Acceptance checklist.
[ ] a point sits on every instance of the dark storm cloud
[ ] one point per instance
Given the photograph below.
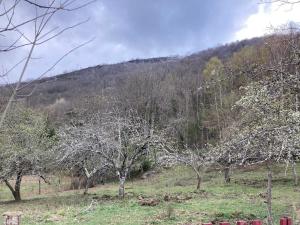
(174, 26)
(127, 29)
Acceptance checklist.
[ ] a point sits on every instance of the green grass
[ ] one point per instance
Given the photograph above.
(241, 199)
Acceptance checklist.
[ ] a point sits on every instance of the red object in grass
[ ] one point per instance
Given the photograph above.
(289, 221)
(283, 221)
(241, 222)
(286, 221)
(224, 223)
(256, 222)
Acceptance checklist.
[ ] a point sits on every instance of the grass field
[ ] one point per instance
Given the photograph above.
(242, 199)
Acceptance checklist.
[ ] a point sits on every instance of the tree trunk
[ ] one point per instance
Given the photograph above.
(295, 175)
(87, 184)
(40, 191)
(59, 183)
(220, 94)
(86, 189)
(227, 174)
(199, 181)
(16, 192)
(17, 195)
(122, 187)
(269, 197)
(218, 117)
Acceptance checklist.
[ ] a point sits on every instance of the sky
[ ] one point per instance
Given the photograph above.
(122, 30)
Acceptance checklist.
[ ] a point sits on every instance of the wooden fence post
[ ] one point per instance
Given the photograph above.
(12, 218)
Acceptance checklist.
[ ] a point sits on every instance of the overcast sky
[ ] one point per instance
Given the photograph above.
(130, 29)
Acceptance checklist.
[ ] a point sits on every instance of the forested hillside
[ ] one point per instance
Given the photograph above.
(170, 91)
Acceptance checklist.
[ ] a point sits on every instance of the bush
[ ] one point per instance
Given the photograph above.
(146, 165)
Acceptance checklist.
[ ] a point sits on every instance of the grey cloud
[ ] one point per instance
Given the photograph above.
(127, 29)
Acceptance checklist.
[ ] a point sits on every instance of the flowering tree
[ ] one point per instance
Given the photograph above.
(267, 131)
(25, 147)
(268, 127)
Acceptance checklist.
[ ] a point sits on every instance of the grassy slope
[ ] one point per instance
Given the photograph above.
(239, 200)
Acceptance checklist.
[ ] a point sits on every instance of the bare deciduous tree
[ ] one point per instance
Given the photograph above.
(40, 33)
(198, 159)
(119, 141)
(77, 152)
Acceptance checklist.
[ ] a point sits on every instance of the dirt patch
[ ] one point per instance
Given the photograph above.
(177, 198)
(148, 201)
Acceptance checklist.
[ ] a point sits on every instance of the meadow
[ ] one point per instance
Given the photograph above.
(175, 191)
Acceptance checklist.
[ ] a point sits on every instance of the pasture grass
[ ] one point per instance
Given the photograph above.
(243, 198)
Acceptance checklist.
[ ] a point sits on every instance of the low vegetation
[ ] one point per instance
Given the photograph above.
(179, 201)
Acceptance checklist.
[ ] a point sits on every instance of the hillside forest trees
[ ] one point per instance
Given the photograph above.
(261, 124)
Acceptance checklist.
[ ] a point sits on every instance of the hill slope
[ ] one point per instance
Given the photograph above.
(93, 80)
